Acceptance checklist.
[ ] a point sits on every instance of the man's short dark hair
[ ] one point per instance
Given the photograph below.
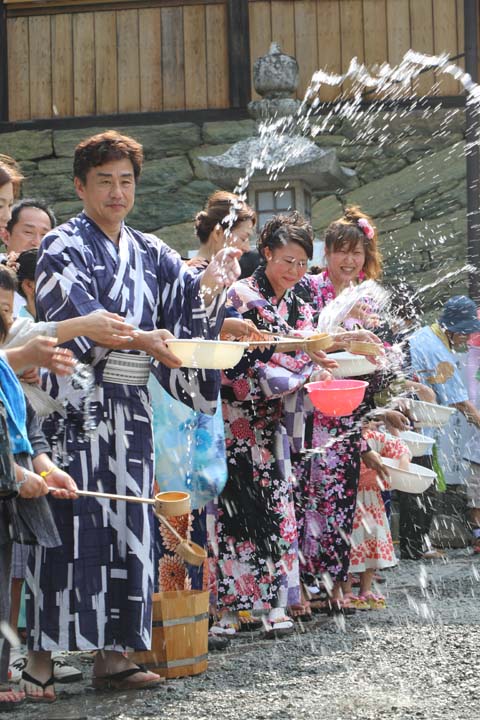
(30, 203)
(8, 279)
(103, 148)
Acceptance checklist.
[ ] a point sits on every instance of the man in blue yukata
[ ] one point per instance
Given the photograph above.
(95, 591)
(442, 342)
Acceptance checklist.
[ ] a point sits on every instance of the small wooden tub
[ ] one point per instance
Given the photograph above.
(179, 634)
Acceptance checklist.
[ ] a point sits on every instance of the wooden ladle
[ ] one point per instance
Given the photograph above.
(191, 552)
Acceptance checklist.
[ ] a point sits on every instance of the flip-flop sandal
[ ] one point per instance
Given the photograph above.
(26, 677)
(120, 680)
(353, 601)
(6, 705)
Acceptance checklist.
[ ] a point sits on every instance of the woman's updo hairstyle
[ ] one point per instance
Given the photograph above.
(223, 209)
(10, 173)
(284, 229)
(345, 234)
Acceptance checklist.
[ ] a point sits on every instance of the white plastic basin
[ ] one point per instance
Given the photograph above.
(207, 354)
(416, 479)
(426, 414)
(417, 444)
(350, 365)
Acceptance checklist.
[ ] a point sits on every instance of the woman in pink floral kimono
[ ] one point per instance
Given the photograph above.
(263, 413)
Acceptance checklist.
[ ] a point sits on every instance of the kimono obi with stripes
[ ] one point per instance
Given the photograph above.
(126, 369)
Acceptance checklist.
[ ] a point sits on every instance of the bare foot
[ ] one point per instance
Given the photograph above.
(39, 667)
(9, 697)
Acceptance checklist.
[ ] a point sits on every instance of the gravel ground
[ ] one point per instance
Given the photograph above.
(416, 659)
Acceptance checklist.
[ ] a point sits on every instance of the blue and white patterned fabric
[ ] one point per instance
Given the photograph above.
(95, 590)
(189, 448)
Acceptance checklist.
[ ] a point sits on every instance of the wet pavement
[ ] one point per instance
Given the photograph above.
(416, 659)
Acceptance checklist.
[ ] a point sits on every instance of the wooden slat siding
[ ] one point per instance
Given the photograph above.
(305, 42)
(194, 35)
(18, 69)
(40, 59)
(128, 61)
(149, 31)
(460, 34)
(260, 33)
(421, 20)
(351, 35)
(283, 25)
(106, 75)
(445, 40)
(62, 65)
(375, 36)
(83, 26)
(398, 33)
(173, 61)
(217, 57)
(239, 69)
(33, 7)
(329, 45)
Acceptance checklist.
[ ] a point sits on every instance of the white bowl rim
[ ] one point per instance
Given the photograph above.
(414, 437)
(419, 470)
(205, 341)
(348, 356)
(426, 405)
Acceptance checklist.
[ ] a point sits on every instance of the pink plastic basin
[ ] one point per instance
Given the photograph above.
(336, 397)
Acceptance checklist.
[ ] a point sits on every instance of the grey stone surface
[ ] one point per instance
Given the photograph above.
(215, 133)
(394, 222)
(370, 170)
(26, 144)
(157, 209)
(53, 188)
(165, 175)
(66, 209)
(398, 190)
(275, 155)
(157, 140)
(275, 75)
(210, 150)
(56, 166)
(325, 211)
(180, 237)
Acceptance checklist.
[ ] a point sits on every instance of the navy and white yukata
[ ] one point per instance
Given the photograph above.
(95, 590)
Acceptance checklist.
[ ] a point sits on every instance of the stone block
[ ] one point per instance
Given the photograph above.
(65, 141)
(27, 144)
(229, 131)
(153, 209)
(28, 167)
(324, 211)
(165, 174)
(369, 170)
(157, 140)
(56, 166)
(449, 531)
(204, 150)
(67, 209)
(326, 140)
(394, 222)
(180, 237)
(52, 188)
(398, 190)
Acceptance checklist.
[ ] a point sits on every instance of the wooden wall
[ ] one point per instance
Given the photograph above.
(328, 33)
(118, 61)
(94, 57)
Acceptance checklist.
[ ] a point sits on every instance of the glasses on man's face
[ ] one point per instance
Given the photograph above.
(292, 263)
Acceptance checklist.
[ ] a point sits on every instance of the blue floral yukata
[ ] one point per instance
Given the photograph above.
(95, 590)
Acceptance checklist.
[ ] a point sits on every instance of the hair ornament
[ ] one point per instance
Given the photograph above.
(366, 228)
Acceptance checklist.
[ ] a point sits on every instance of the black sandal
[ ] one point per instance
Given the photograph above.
(39, 698)
(119, 680)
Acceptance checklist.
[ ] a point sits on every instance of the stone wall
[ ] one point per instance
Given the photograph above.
(410, 170)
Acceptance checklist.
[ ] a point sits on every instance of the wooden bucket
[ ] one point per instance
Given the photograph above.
(179, 634)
